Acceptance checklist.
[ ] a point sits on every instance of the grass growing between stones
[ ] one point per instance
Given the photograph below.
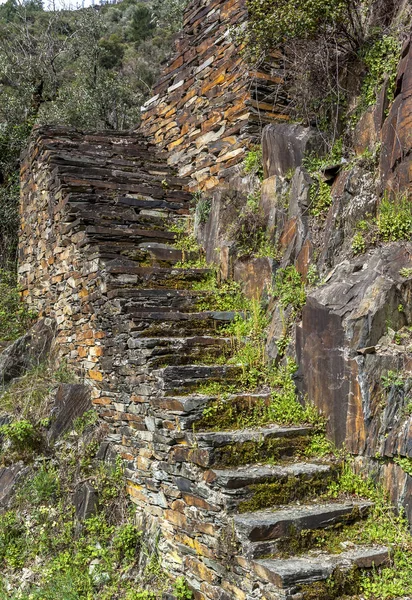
(384, 526)
(280, 405)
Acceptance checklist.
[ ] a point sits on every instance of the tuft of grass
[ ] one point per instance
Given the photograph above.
(29, 396)
(15, 317)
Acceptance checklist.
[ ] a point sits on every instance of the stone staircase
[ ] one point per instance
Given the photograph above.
(230, 505)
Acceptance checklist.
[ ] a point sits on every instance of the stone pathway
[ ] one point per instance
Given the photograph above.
(226, 503)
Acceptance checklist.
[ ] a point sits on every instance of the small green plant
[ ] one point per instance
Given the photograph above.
(44, 486)
(405, 272)
(289, 289)
(351, 483)
(181, 589)
(319, 446)
(315, 164)
(203, 207)
(248, 232)
(392, 379)
(394, 219)
(381, 59)
(405, 463)
(88, 419)
(221, 295)
(358, 243)
(22, 435)
(320, 196)
(253, 162)
(312, 275)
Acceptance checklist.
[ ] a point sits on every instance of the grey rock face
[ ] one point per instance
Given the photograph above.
(71, 402)
(28, 351)
(9, 477)
(349, 313)
(284, 146)
(85, 501)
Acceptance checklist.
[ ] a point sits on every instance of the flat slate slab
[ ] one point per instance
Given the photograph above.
(243, 476)
(216, 439)
(277, 524)
(309, 569)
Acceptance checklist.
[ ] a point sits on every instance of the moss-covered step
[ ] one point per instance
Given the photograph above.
(309, 576)
(264, 532)
(159, 352)
(124, 273)
(257, 487)
(249, 446)
(190, 408)
(177, 379)
(129, 301)
(179, 324)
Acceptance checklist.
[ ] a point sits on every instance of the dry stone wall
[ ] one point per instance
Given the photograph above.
(214, 504)
(208, 106)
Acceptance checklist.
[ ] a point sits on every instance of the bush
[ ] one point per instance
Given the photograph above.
(289, 288)
(253, 162)
(22, 435)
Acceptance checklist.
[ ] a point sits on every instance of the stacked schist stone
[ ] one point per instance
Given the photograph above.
(209, 107)
(97, 253)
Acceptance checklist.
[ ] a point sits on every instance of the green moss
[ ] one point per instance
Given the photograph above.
(340, 583)
(287, 489)
(265, 451)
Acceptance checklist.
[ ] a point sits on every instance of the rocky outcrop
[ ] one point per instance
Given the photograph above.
(71, 401)
(339, 341)
(28, 351)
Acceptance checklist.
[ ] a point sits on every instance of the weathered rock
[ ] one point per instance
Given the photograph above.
(348, 313)
(9, 478)
(285, 145)
(72, 400)
(28, 351)
(85, 501)
(396, 161)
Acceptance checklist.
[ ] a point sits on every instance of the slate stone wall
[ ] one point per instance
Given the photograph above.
(208, 106)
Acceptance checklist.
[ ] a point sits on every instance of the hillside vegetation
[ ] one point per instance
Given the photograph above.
(90, 68)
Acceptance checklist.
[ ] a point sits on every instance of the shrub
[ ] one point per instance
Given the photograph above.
(381, 60)
(320, 196)
(289, 288)
(394, 218)
(22, 435)
(249, 231)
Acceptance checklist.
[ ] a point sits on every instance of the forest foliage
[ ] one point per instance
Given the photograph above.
(91, 68)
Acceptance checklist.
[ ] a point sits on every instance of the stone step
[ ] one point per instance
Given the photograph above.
(142, 300)
(263, 486)
(233, 448)
(299, 571)
(194, 404)
(156, 353)
(123, 273)
(270, 525)
(128, 234)
(173, 379)
(179, 324)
